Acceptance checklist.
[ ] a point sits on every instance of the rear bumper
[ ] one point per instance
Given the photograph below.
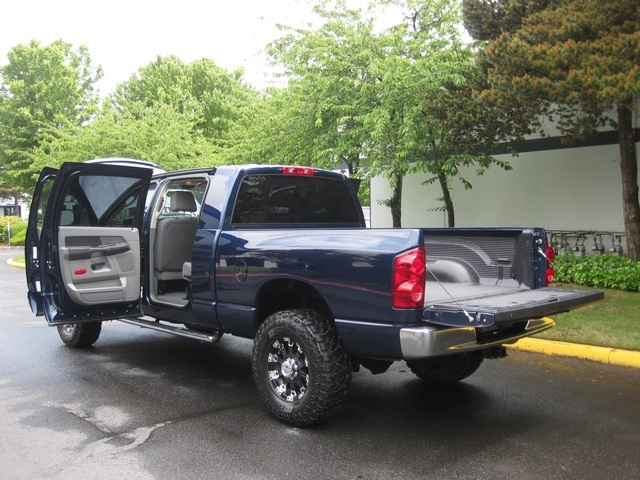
(429, 341)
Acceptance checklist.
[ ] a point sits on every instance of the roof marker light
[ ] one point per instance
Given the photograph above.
(304, 171)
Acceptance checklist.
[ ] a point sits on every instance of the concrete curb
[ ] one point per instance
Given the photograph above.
(11, 263)
(611, 356)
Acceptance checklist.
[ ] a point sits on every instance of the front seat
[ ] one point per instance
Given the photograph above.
(174, 238)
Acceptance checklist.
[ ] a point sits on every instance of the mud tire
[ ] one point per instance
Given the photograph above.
(300, 368)
(80, 335)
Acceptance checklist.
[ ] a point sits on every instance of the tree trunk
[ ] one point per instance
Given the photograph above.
(396, 201)
(629, 170)
(446, 197)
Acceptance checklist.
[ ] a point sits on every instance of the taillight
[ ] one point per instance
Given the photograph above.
(409, 276)
(551, 273)
(304, 171)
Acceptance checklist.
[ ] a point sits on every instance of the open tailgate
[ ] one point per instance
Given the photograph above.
(506, 306)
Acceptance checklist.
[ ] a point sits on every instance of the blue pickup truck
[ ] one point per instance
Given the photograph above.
(282, 256)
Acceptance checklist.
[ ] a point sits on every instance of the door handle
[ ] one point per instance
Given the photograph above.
(86, 252)
(109, 249)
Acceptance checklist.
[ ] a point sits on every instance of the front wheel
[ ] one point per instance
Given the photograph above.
(300, 368)
(80, 335)
(446, 369)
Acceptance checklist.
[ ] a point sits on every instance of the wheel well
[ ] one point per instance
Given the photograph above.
(284, 294)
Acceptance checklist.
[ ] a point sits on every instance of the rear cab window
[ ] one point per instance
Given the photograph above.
(294, 200)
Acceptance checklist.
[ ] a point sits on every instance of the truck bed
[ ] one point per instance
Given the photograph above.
(450, 293)
(484, 277)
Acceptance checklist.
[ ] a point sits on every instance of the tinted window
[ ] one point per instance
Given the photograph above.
(42, 202)
(101, 200)
(103, 191)
(288, 199)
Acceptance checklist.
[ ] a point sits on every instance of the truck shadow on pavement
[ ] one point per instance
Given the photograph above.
(197, 378)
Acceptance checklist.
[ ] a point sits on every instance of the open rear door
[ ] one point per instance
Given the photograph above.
(84, 242)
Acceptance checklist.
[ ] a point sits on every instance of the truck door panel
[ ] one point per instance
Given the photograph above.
(100, 268)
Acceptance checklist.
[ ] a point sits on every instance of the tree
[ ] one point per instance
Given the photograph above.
(346, 105)
(174, 114)
(158, 134)
(217, 101)
(452, 128)
(329, 68)
(579, 65)
(43, 88)
(488, 19)
(358, 95)
(463, 133)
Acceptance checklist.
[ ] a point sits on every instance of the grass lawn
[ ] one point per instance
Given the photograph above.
(19, 259)
(612, 322)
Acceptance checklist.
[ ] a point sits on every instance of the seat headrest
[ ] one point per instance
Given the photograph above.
(182, 201)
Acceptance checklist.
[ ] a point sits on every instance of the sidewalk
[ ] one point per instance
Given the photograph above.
(611, 356)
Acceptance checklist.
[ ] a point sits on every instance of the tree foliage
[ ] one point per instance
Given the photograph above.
(43, 88)
(174, 114)
(368, 99)
(327, 95)
(488, 19)
(578, 64)
(217, 101)
(158, 134)
(455, 129)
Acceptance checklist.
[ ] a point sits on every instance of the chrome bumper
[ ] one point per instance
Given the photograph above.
(428, 341)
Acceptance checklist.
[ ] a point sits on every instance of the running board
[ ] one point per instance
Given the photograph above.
(179, 331)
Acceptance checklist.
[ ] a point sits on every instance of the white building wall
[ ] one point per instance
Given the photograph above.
(564, 189)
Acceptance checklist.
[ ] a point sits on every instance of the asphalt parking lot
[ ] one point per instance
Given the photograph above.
(144, 405)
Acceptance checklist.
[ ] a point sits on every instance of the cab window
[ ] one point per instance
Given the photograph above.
(285, 199)
(100, 200)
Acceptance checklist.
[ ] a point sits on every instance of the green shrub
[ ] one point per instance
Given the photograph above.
(607, 271)
(17, 225)
(19, 238)
(17, 228)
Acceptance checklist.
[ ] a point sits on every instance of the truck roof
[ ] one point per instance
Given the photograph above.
(159, 172)
(128, 162)
(255, 169)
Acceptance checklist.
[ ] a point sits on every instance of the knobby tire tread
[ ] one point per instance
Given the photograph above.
(331, 365)
(84, 334)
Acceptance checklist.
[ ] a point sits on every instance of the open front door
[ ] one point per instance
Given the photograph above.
(84, 243)
(39, 203)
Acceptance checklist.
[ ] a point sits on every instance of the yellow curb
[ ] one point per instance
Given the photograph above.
(11, 263)
(612, 356)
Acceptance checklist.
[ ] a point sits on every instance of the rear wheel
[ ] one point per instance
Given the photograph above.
(80, 335)
(300, 368)
(446, 369)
